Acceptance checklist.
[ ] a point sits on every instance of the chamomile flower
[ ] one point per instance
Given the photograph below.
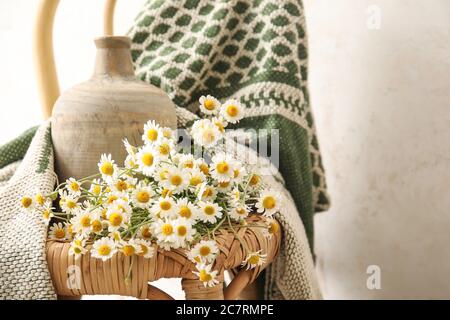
(187, 209)
(220, 123)
(239, 171)
(225, 186)
(96, 187)
(165, 233)
(222, 167)
(117, 218)
(164, 207)
(146, 250)
(269, 202)
(130, 162)
(272, 228)
(152, 132)
(97, 224)
(254, 181)
(40, 199)
(168, 133)
(206, 192)
(27, 202)
(47, 212)
(186, 161)
(232, 111)
(73, 187)
(196, 177)
(81, 222)
(202, 165)
(184, 232)
(68, 203)
(239, 212)
(145, 232)
(128, 248)
(147, 159)
(161, 172)
(119, 185)
(131, 150)
(205, 251)
(142, 196)
(209, 105)
(209, 211)
(107, 167)
(205, 275)
(177, 180)
(254, 259)
(77, 247)
(165, 148)
(58, 231)
(103, 248)
(205, 133)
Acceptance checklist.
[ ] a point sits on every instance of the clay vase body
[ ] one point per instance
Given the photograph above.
(95, 116)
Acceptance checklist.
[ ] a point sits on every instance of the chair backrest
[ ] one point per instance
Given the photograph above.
(46, 75)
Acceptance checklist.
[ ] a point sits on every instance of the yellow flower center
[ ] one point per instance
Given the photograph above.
(96, 189)
(209, 210)
(46, 214)
(71, 204)
(152, 134)
(254, 180)
(209, 104)
(204, 251)
(241, 211)
(236, 173)
(128, 250)
(96, 226)
(104, 250)
(165, 205)
(77, 250)
(195, 181)
(269, 202)
(181, 230)
(232, 110)
(176, 180)
(254, 259)
(222, 167)
(164, 149)
(85, 221)
(60, 233)
(185, 212)
(121, 185)
(26, 202)
(224, 184)
(144, 250)
(219, 126)
(204, 276)
(166, 192)
(207, 193)
(147, 159)
(146, 232)
(39, 199)
(167, 134)
(143, 196)
(204, 168)
(167, 229)
(74, 186)
(112, 198)
(273, 227)
(163, 174)
(115, 219)
(107, 168)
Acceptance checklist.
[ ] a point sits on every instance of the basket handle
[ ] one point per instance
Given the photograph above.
(44, 60)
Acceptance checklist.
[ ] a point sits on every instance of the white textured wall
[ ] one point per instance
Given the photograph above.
(382, 106)
(381, 100)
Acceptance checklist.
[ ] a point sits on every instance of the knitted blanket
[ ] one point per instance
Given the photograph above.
(251, 50)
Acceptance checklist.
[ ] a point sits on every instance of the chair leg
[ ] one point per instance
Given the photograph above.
(195, 290)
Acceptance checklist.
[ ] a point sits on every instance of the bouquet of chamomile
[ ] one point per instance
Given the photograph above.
(164, 196)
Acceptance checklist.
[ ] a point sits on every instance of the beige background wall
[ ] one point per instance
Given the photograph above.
(381, 100)
(382, 106)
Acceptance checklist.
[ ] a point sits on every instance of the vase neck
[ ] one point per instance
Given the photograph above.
(113, 57)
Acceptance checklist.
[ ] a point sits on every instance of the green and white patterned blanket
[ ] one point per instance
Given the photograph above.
(254, 51)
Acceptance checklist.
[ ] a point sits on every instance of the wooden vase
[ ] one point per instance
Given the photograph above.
(95, 116)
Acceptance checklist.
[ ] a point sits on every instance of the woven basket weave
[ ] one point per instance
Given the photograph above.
(92, 276)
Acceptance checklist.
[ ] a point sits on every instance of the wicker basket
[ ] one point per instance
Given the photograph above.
(94, 276)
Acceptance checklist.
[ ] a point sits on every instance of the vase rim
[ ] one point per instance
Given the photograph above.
(113, 42)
